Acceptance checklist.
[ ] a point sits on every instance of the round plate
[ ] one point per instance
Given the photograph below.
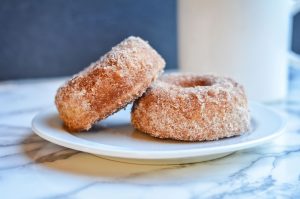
(115, 138)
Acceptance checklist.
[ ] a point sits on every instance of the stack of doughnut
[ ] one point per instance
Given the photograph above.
(175, 106)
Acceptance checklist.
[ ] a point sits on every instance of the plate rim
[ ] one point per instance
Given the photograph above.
(111, 151)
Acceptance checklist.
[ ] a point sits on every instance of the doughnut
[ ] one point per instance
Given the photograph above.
(109, 84)
(190, 107)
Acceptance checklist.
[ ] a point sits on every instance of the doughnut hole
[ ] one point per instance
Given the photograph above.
(195, 82)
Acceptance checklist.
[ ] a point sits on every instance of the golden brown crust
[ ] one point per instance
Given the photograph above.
(192, 108)
(116, 79)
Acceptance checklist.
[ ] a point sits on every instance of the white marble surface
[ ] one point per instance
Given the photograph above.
(33, 168)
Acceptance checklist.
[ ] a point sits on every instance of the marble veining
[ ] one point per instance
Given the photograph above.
(31, 167)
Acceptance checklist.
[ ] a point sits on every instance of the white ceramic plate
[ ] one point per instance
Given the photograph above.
(115, 138)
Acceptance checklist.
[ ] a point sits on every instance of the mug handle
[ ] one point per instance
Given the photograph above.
(294, 58)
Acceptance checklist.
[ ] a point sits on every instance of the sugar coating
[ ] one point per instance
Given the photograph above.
(116, 79)
(192, 108)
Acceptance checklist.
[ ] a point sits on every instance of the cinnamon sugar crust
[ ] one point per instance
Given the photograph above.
(192, 108)
(116, 79)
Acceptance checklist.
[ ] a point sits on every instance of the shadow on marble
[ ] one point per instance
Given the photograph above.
(60, 159)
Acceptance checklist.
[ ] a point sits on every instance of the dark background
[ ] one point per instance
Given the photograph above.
(42, 38)
(295, 45)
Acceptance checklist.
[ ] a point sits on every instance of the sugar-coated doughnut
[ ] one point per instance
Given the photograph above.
(116, 79)
(192, 108)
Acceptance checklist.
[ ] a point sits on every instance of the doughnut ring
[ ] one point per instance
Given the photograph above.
(192, 108)
(116, 79)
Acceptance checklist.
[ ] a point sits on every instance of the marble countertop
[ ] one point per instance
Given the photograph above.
(31, 167)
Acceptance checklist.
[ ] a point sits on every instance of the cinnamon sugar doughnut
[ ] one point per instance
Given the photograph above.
(109, 84)
(192, 108)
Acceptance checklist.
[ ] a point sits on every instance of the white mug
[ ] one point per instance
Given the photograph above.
(247, 40)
